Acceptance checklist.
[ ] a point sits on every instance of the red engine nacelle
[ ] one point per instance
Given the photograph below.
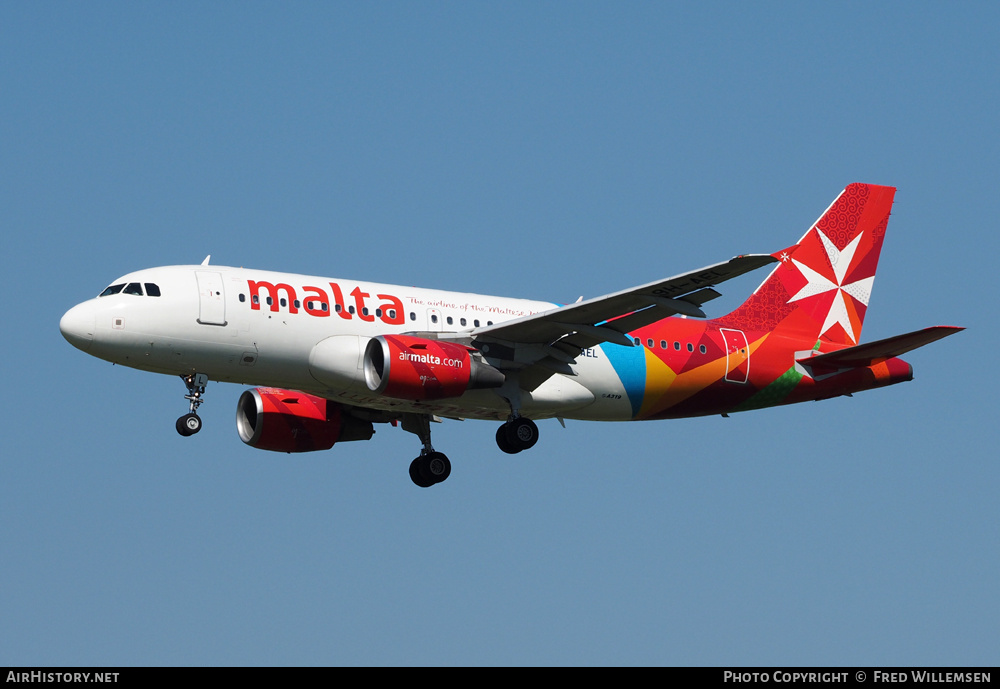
(290, 421)
(415, 368)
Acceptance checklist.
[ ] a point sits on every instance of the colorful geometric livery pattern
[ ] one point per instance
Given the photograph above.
(814, 301)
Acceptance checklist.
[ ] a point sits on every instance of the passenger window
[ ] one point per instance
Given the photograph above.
(133, 288)
(702, 349)
(677, 345)
(113, 289)
(462, 321)
(434, 318)
(413, 316)
(476, 322)
(450, 321)
(649, 343)
(152, 290)
(243, 297)
(663, 344)
(283, 302)
(690, 347)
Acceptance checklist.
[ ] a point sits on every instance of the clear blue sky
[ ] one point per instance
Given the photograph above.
(544, 150)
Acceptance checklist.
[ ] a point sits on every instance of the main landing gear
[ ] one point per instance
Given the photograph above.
(519, 433)
(430, 467)
(190, 423)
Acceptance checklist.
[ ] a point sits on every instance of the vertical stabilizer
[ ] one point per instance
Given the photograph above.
(822, 286)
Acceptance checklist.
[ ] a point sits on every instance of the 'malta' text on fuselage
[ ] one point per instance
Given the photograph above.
(316, 302)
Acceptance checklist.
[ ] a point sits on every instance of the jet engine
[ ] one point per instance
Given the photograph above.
(415, 368)
(290, 421)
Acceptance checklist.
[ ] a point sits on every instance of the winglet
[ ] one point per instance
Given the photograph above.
(205, 262)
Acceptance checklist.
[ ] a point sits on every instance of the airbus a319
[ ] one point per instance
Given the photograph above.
(332, 357)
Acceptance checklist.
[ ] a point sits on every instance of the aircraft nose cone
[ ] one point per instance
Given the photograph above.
(77, 326)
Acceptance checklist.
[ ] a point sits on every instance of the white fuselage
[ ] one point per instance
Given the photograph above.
(258, 327)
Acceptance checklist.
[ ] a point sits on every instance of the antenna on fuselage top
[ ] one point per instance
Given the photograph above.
(205, 262)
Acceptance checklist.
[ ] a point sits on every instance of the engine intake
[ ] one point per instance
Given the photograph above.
(415, 368)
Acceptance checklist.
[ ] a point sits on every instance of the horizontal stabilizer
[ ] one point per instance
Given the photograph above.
(873, 352)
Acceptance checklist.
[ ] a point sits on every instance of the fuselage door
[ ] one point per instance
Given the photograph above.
(211, 298)
(737, 355)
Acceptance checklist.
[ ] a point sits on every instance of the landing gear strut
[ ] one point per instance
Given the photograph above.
(519, 433)
(430, 467)
(190, 423)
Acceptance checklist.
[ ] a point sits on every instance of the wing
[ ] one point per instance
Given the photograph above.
(564, 332)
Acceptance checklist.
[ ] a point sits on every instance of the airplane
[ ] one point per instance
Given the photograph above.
(332, 357)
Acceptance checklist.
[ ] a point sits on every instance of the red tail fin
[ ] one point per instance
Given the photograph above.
(822, 287)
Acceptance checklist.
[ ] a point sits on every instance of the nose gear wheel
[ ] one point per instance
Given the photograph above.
(190, 423)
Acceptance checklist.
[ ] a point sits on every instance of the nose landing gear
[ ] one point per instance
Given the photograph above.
(190, 423)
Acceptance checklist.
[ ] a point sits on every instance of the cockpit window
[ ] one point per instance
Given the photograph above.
(152, 289)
